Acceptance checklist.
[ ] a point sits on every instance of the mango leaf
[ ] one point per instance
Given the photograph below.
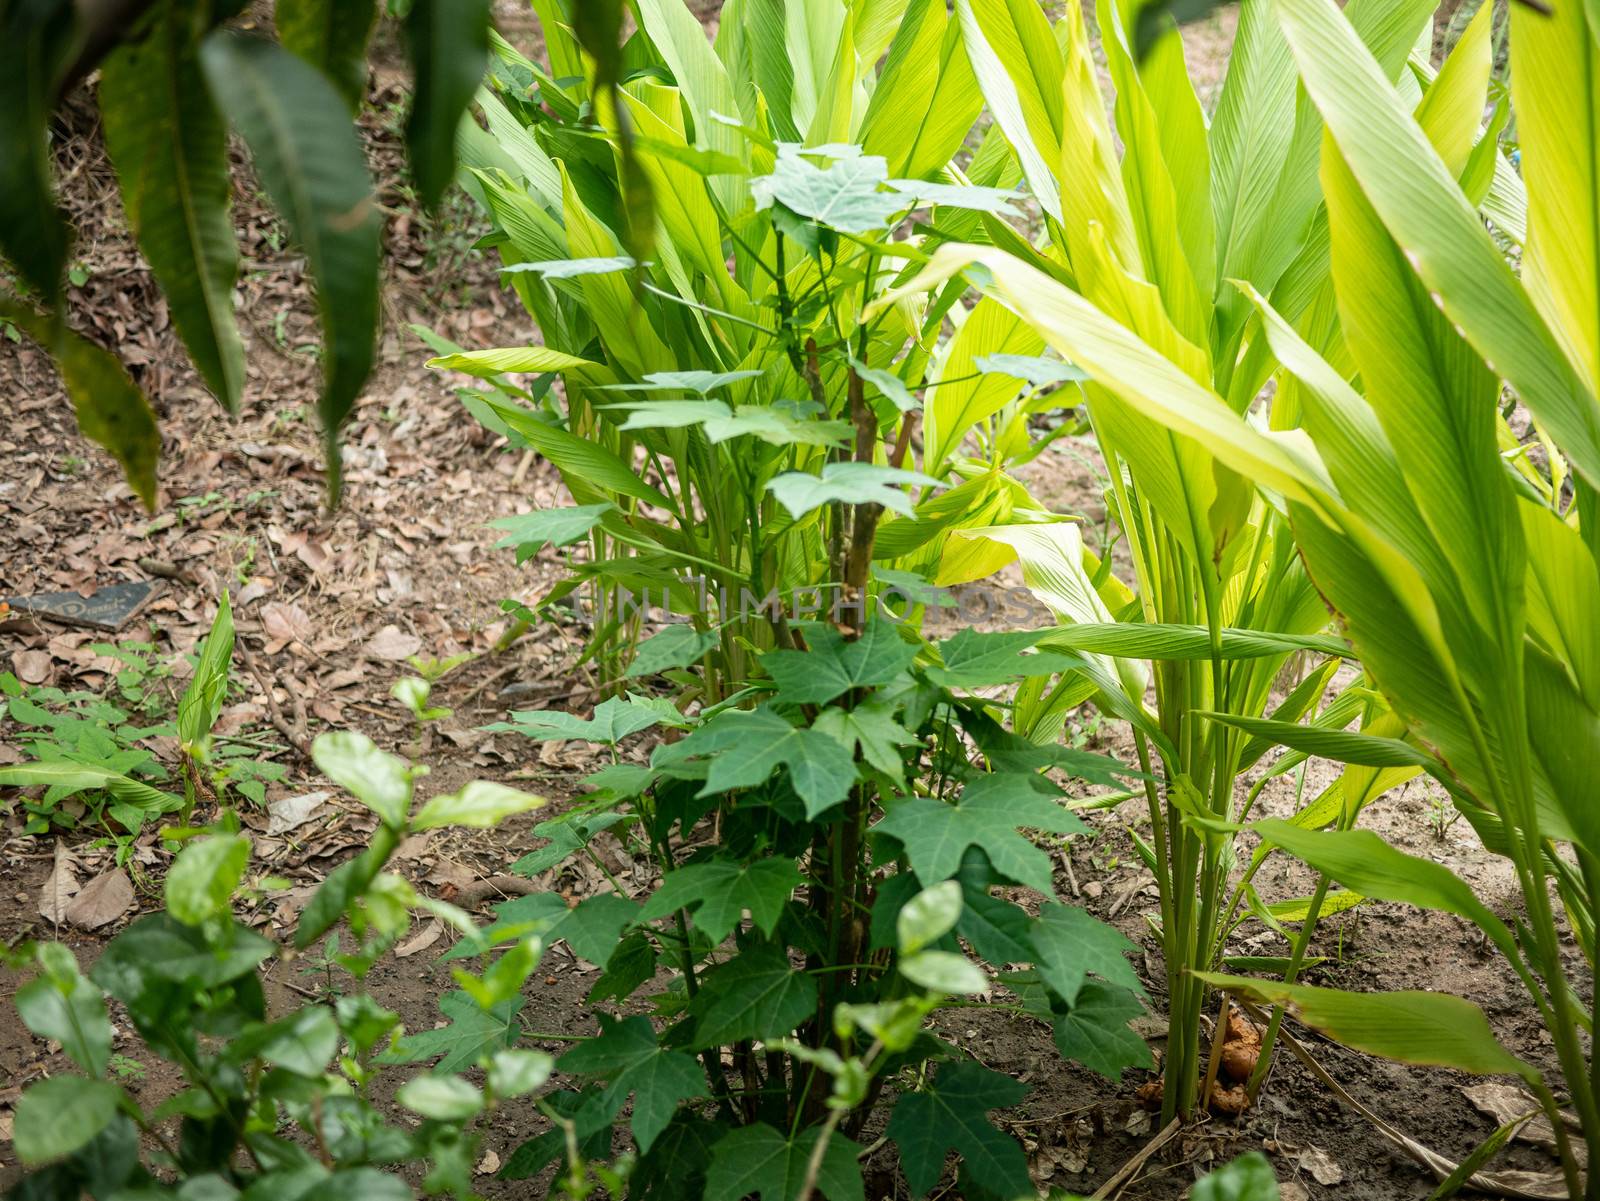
(449, 45)
(1426, 1028)
(746, 746)
(936, 834)
(720, 891)
(1095, 1032)
(532, 532)
(472, 1034)
(481, 803)
(62, 1005)
(312, 166)
(758, 994)
(59, 1115)
(948, 1116)
(627, 1054)
(759, 1160)
(850, 483)
(1070, 944)
(675, 646)
(332, 36)
(379, 780)
(36, 38)
(833, 666)
(170, 148)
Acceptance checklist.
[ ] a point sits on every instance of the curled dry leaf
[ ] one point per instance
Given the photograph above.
(32, 667)
(101, 901)
(59, 887)
(285, 623)
(392, 644)
(421, 940)
(1504, 1102)
(1321, 1166)
(293, 812)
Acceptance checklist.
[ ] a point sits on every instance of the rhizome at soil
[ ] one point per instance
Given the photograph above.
(331, 604)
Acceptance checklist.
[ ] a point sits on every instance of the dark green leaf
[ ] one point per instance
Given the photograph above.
(746, 746)
(756, 995)
(36, 37)
(761, 1161)
(595, 926)
(1096, 1031)
(936, 834)
(332, 36)
(472, 1034)
(973, 659)
(628, 1056)
(675, 1167)
(948, 1116)
(567, 834)
(1070, 944)
(58, 1115)
(997, 929)
(675, 646)
(718, 892)
(833, 666)
(169, 145)
(312, 166)
(62, 1005)
(532, 532)
(449, 44)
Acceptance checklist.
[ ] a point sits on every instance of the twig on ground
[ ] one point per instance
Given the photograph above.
(1131, 1168)
(294, 733)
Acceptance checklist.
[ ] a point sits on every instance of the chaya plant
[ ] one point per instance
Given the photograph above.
(863, 815)
(1458, 556)
(270, 1104)
(722, 402)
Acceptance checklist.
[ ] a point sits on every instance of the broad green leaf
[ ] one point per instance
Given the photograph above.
(757, 994)
(201, 880)
(332, 36)
(1369, 866)
(614, 719)
(1427, 1028)
(441, 1097)
(996, 929)
(833, 666)
(62, 1005)
(948, 1116)
(57, 1116)
(944, 972)
(759, 1160)
(1345, 746)
(872, 729)
(304, 1041)
(311, 163)
(516, 1072)
(472, 1034)
(1070, 944)
(629, 1057)
(675, 1169)
(481, 803)
(936, 834)
(75, 776)
(850, 483)
(1436, 226)
(1248, 1178)
(719, 892)
(746, 746)
(928, 916)
(1186, 642)
(1095, 1032)
(159, 949)
(532, 532)
(486, 364)
(594, 926)
(170, 148)
(675, 646)
(379, 780)
(449, 45)
(538, 913)
(208, 687)
(37, 39)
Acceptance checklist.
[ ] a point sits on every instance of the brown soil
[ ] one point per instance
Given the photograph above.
(242, 508)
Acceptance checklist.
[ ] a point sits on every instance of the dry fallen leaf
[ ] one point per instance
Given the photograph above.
(59, 887)
(421, 940)
(1321, 1165)
(488, 1164)
(285, 623)
(293, 812)
(392, 644)
(1508, 1102)
(102, 901)
(32, 667)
